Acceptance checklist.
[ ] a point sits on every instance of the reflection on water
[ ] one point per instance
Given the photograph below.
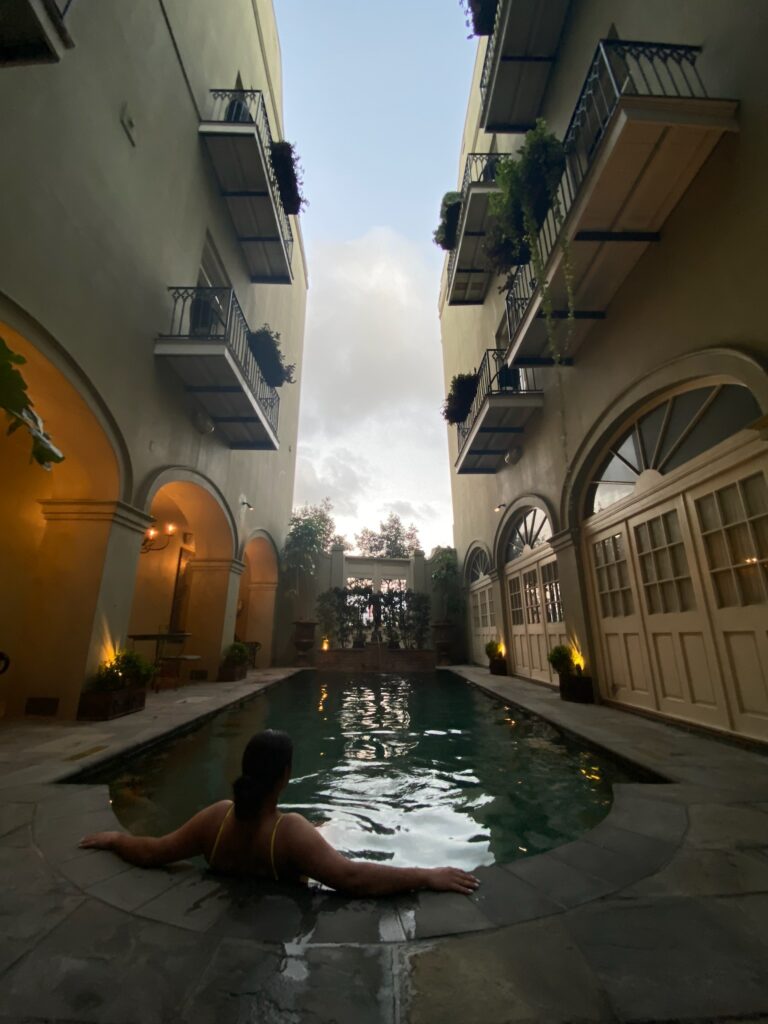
(417, 769)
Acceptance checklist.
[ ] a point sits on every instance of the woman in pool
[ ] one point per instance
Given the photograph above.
(250, 836)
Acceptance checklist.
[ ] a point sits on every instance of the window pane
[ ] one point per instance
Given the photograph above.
(755, 494)
(731, 411)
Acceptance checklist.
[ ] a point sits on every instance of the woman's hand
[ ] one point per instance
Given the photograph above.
(451, 880)
(99, 841)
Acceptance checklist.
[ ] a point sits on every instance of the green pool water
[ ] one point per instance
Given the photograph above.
(416, 769)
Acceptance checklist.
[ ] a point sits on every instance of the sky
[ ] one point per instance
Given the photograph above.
(375, 93)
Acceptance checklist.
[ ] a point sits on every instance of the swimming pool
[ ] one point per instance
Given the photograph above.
(419, 769)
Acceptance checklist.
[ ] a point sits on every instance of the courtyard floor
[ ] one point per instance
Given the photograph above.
(658, 914)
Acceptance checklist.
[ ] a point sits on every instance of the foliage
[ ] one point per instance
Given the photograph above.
(338, 540)
(445, 233)
(265, 349)
(17, 405)
(492, 649)
(446, 581)
(460, 397)
(236, 654)
(126, 670)
(479, 15)
(418, 619)
(361, 613)
(392, 540)
(561, 660)
(290, 176)
(328, 614)
(310, 532)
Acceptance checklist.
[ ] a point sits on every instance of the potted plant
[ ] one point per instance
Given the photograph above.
(496, 661)
(574, 685)
(480, 15)
(118, 688)
(461, 395)
(289, 176)
(234, 665)
(264, 345)
(445, 232)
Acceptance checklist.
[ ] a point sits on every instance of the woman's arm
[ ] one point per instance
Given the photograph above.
(313, 856)
(148, 851)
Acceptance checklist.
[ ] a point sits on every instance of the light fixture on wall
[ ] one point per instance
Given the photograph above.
(513, 456)
(156, 540)
(502, 505)
(246, 505)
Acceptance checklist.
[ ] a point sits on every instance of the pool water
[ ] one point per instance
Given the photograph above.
(419, 770)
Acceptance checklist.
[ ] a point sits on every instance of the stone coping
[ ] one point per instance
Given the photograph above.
(643, 830)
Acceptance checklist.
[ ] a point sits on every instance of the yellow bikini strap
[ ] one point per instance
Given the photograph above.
(272, 847)
(218, 835)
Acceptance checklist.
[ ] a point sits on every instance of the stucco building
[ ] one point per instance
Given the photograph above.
(614, 494)
(145, 241)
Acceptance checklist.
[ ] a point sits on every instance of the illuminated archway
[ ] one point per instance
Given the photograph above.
(256, 603)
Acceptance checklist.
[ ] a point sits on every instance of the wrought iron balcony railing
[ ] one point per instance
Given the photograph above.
(480, 168)
(490, 53)
(247, 106)
(214, 314)
(495, 378)
(619, 68)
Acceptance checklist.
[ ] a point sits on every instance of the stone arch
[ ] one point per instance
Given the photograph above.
(716, 365)
(255, 622)
(67, 537)
(477, 552)
(181, 476)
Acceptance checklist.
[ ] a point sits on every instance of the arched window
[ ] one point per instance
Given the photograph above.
(479, 566)
(531, 530)
(672, 433)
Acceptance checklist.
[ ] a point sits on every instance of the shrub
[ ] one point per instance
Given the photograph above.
(445, 232)
(236, 654)
(480, 15)
(127, 669)
(460, 397)
(265, 349)
(289, 175)
(492, 649)
(561, 660)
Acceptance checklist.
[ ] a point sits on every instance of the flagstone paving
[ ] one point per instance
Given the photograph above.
(658, 914)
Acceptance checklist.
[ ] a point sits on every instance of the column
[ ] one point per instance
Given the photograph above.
(81, 590)
(419, 570)
(214, 586)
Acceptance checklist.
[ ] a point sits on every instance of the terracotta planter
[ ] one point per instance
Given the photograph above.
(102, 705)
(230, 672)
(577, 689)
(498, 666)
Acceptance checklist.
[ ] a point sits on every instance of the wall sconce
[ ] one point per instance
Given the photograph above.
(155, 540)
(500, 506)
(246, 505)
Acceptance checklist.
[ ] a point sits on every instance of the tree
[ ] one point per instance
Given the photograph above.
(392, 540)
(17, 405)
(446, 581)
(338, 540)
(311, 532)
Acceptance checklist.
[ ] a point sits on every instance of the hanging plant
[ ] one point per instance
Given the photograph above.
(460, 397)
(445, 232)
(16, 404)
(289, 175)
(480, 15)
(265, 349)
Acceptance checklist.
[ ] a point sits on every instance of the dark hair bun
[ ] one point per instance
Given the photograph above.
(265, 760)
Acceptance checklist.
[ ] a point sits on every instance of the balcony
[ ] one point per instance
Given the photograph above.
(207, 346)
(518, 61)
(641, 130)
(468, 275)
(33, 31)
(239, 142)
(506, 399)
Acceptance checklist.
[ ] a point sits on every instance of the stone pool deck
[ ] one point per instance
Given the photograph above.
(658, 914)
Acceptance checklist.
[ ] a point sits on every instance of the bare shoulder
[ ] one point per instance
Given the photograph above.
(294, 823)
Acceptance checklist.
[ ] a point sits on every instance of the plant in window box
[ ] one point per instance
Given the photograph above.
(265, 349)
(461, 395)
(480, 15)
(289, 175)
(234, 665)
(118, 688)
(574, 685)
(445, 232)
(497, 663)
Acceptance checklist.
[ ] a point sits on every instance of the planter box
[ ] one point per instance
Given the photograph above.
(229, 673)
(577, 689)
(102, 705)
(498, 666)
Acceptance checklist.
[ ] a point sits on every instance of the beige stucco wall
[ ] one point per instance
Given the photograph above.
(700, 287)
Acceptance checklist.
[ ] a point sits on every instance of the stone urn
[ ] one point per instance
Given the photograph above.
(303, 639)
(442, 635)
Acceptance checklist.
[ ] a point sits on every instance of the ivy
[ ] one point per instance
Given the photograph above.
(17, 405)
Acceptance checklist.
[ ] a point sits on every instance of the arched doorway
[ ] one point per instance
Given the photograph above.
(532, 588)
(676, 545)
(188, 579)
(256, 603)
(482, 614)
(67, 544)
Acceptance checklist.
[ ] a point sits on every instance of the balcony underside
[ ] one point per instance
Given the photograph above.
(497, 428)
(31, 32)
(471, 278)
(528, 39)
(243, 178)
(212, 377)
(651, 152)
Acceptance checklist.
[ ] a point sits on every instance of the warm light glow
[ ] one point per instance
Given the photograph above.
(151, 533)
(325, 646)
(751, 561)
(323, 698)
(577, 656)
(502, 649)
(170, 529)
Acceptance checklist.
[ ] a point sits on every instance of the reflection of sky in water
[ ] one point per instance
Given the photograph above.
(416, 770)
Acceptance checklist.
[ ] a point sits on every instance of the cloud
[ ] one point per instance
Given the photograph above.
(370, 436)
